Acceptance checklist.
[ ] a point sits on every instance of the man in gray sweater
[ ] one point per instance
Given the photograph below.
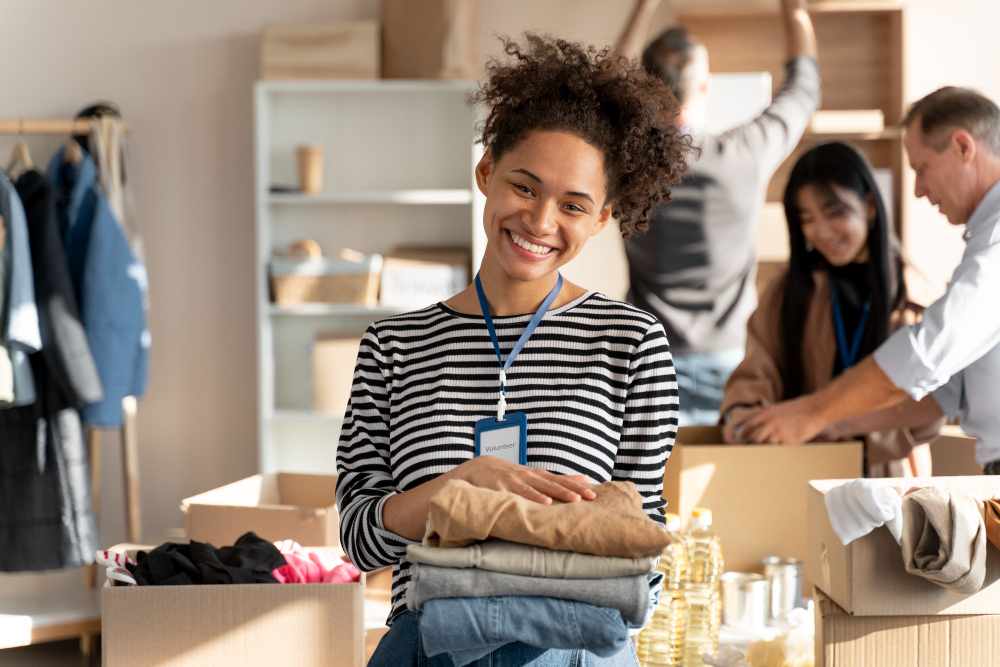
(695, 267)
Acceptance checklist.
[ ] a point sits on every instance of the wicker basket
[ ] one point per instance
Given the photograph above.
(325, 281)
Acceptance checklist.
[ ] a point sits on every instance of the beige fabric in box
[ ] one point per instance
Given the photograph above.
(843, 640)
(867, 577)
(282, 506)
(233, 624)
(757, 493)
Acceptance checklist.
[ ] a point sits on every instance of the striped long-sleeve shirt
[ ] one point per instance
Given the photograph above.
(596, 382)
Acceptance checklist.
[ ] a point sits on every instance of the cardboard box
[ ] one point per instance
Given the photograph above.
(757, 493)
(238, 624)
(333, 360)
(954, 453)
(867, 577)
(843, 640)
(320, 50)
(282, 506)
(430, 39)
(415, 283)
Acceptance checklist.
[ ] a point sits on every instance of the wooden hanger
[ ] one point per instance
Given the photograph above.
(20, 154)
(71, 153)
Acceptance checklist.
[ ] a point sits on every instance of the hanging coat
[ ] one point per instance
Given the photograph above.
(110, 284)
(19, 335)
(46, 515)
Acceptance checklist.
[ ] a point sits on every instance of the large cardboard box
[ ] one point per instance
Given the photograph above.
(757, 493)
(867, 577)
(240, 624)
(282, 506)
(320, 50)
(843, 640)
(430, 39)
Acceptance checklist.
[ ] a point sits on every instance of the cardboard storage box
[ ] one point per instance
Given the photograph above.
(867, 577)
(333, 360)
(282, 506)
(414, 278)
(954, 453)
(320, 50)
(757, 493)
(430, 39)
(234, 624)
(843, 640)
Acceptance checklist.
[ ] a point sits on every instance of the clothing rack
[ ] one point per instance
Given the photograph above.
(52, 126)
(87, 631)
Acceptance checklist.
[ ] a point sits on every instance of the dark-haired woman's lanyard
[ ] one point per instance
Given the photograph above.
(848, 355)
(506, 436)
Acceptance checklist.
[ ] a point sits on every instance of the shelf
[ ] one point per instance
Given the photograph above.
(49, 616)
(823, 7)
(445, 197)
(334, 309)
(367, 86)
(887, 133)
(305, 416)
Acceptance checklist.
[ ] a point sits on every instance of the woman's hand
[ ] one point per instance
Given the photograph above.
(731, 432)
(541, 486)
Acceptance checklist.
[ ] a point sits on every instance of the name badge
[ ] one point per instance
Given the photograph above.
(505, 438)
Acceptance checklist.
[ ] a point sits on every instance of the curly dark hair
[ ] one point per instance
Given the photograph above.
(607, 100)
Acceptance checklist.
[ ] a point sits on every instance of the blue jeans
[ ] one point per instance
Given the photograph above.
(402, 646)
(701, 379)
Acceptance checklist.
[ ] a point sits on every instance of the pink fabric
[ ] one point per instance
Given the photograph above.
(305, 566)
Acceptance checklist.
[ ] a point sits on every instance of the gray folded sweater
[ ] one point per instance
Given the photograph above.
(628, 595)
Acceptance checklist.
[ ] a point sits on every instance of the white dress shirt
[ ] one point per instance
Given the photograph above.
(954, 351)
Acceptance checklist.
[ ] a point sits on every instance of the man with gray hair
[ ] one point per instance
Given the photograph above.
(950, 361)
(695, 267)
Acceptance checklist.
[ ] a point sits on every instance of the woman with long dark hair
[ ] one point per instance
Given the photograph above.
(842, 296)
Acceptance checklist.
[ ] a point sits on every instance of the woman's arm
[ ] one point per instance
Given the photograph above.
(376, 521)
(650, 422)
(757, 381)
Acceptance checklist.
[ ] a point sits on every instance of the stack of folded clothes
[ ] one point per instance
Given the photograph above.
(495, 568)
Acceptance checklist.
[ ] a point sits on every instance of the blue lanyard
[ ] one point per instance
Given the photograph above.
(525, 335)
(848, 356)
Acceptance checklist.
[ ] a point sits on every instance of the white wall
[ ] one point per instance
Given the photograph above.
(182, 71)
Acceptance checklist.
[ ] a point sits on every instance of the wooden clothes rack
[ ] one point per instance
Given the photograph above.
(52, 126)
(88, 631)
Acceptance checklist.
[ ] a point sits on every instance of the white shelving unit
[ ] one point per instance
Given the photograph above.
(398, 171)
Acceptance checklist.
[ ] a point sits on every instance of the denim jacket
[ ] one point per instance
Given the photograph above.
(111, 286)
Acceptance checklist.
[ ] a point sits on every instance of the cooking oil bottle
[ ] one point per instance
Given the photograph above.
(701, 597)
(661, 642)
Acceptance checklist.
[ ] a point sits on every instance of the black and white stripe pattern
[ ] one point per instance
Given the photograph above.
(596, 381)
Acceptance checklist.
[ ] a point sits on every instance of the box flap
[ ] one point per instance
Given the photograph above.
(318, 491)
(249, 492)
(868, 578)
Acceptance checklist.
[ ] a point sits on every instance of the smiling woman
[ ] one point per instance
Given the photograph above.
(581, 386)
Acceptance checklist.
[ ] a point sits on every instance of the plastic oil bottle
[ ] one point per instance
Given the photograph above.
(702, 597)
(661, 642)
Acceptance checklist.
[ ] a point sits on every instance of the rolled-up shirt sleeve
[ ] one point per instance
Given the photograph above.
(956, 330)
(365, 480)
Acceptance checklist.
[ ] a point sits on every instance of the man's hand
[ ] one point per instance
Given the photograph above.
(636, 31)
(787, 423)
(800, 37)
